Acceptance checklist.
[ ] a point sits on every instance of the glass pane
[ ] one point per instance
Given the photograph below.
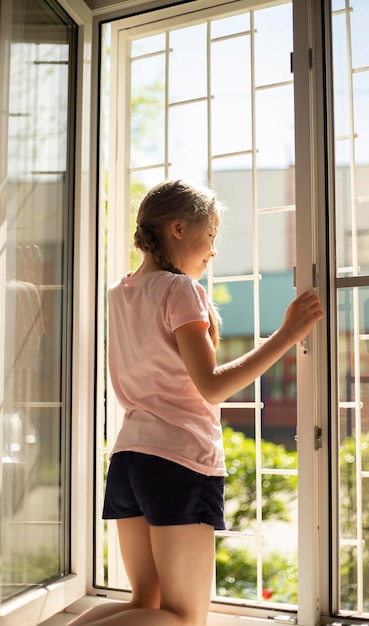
(36, 250)
(147, 131)
(273, 40)
(351, 102)
(187, 149)
(235, 240)
(187, 64)
(351, 88)
(231, 91)
(230, 25)
(353, 424)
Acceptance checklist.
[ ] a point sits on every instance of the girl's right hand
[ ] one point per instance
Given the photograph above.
(301, 316)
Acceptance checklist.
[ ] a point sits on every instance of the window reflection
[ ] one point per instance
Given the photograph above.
(35, 251)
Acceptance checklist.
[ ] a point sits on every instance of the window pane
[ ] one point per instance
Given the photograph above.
(351, 102)
(211, 121)
(353, 424)
(147, 131)
(35, 282)
(231, 91)
(351, 88)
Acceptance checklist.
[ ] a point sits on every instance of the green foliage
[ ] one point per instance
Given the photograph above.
(237, 576)
(31, 567)
(138, 190)
(277, 490)
(349, 520)
(236, 572)
(236, 567)
(147, 111)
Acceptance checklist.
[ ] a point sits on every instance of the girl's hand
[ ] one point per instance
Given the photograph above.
(301, 316)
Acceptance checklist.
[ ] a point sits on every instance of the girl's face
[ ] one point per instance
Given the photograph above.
(198, 246)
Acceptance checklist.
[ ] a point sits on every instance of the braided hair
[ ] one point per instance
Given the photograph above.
(166, 201)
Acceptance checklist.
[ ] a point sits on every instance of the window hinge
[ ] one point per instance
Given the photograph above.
(314, 276)
(285, 619)
(311, 60)
(317, 438)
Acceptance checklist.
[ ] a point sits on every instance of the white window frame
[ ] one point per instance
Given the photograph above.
(312, 367)
(314, 603)
(39, 604)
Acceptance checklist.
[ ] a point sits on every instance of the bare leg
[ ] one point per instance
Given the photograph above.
(183, 558)
(135, 545)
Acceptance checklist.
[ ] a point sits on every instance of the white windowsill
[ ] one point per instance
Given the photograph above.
(87, 602)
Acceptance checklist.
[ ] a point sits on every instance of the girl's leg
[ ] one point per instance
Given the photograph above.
(135, 544)
(184, 560)
(135, 547)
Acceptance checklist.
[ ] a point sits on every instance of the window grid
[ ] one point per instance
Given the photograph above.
(350, 277)
(117, 578)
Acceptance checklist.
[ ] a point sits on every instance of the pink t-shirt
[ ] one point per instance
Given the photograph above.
(165, 414)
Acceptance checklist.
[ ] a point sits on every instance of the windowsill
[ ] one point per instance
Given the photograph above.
(87, 602)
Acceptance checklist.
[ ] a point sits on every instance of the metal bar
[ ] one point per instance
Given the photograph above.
(236, 279)
(345, 137)
(357, 70)
(234, 533)
(255, 225)
(241, 405)
(189, 101)
(226, 155)
(166, 106)
(279, 472)
(285, 83)
(277, 209)
(149, 55)
(244, 33)
(209, 145)
(356, 325)
(349, 405)
(39, 405)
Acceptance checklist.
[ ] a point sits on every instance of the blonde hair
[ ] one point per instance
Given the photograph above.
(165, 202)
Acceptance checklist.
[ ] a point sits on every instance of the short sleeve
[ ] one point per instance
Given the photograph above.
(187, 301)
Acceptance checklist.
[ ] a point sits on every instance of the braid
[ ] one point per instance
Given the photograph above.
(147, 240)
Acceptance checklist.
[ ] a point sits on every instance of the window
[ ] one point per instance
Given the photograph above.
(37, 174)
(351, 100)
(196, 97)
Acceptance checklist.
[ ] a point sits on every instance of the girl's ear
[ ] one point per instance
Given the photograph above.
(177, 228)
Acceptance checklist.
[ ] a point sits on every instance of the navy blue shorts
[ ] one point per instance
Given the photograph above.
(166, 493)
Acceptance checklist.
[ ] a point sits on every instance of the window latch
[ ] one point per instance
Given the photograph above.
(317, 438)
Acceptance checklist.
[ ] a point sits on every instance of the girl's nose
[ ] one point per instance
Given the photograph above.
(213, 251)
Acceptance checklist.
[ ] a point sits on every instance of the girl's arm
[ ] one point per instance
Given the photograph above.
(215, 382)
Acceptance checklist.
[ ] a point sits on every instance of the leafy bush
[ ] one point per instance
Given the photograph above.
(236, 567)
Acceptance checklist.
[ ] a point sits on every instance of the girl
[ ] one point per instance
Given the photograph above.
(166, 475)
